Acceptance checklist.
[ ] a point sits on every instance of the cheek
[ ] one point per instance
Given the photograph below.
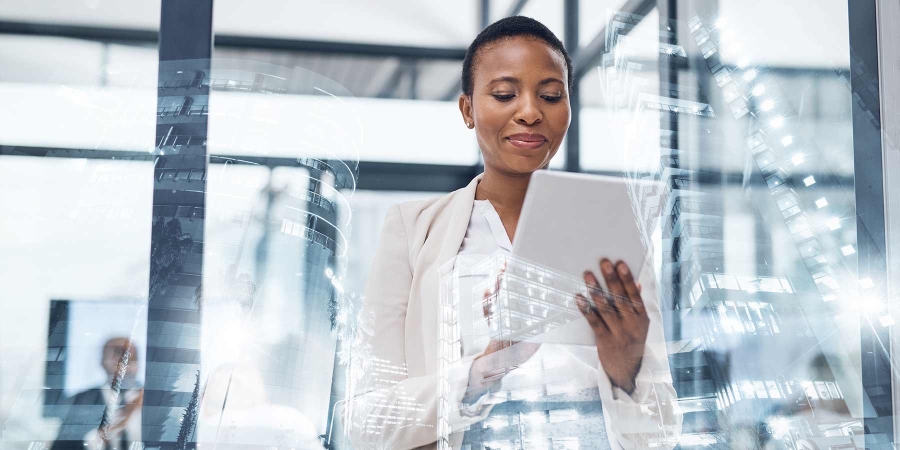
(492, 115)
(559, 122)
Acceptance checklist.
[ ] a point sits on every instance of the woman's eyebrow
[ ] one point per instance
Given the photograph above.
(512, 79)
(550, 80)
(506, 78)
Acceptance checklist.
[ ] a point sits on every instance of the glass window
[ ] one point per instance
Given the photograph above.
(311, 121)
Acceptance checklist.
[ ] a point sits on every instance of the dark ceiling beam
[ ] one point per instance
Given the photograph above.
(340, 48)
(585, 58)
(104, 34)
(133, 36)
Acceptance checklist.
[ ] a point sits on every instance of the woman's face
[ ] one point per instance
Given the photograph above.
(519, 104)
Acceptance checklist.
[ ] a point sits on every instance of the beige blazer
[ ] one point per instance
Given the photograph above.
(397, 400)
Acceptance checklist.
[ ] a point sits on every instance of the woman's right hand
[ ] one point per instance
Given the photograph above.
(501, 356)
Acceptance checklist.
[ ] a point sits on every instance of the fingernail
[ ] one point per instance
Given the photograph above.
(623, 269)
(607, 267)
(582, 305)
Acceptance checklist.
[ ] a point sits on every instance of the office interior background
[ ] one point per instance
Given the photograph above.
(208, 179)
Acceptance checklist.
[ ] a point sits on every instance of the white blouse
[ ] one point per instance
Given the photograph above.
(628, 414)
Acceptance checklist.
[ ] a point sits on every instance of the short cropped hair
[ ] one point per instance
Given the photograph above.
(507, 28)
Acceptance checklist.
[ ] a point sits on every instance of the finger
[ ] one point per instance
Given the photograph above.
(613, 283)
(594, 320)
(634, 293)
(601, 300)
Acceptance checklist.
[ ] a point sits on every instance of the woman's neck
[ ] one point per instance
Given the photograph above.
(505, 191)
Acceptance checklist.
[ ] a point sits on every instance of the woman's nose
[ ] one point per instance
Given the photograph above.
(529, 113)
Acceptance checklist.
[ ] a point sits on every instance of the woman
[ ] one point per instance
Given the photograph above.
(516, 83)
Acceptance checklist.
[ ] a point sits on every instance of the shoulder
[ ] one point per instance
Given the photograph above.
(419, 214)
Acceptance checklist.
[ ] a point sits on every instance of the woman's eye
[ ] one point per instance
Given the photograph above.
(503, 97)
(552, 98)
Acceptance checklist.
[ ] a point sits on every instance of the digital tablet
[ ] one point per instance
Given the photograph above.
(569, 222)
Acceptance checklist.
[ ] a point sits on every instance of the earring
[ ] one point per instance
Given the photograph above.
(469, 124)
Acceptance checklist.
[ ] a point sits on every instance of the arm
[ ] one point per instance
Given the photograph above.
(650, 413)
(389, 409)
(645, 413)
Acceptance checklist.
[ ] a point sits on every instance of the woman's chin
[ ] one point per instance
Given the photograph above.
(525, 165)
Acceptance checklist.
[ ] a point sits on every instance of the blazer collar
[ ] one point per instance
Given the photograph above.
(460, 215)
(460, 208)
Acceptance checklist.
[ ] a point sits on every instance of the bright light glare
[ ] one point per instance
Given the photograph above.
(759, 90)
(848, 250)
(798, 159)
(777, 122)
(833, 223)
(809, 181)
(821, 203)
(866, 283)
(749, 75)
(780, 427)
(787, 140)
(767, 105)
(867, 304)
(886, 321)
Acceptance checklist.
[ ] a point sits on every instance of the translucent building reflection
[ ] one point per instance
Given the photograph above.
(763, 335)
(275, 247)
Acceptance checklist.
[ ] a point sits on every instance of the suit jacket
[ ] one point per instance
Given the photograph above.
(85, 414)
(396, 403)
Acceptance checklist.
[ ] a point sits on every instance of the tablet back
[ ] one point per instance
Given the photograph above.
(570, 221)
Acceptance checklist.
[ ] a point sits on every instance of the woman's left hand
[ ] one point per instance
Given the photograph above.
(619, 321)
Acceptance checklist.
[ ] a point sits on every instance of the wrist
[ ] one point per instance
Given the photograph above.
(624, 378)
(478, 384)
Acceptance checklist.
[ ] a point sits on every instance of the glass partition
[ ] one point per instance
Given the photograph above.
(190, 215)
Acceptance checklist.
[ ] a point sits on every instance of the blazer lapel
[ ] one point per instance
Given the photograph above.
(457, 224)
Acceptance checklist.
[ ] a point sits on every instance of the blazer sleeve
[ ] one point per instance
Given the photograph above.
(387, 408)
(650, 417)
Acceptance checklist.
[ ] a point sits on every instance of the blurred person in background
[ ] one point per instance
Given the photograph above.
(115, 406)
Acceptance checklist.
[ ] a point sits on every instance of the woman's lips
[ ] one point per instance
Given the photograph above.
(530, 141)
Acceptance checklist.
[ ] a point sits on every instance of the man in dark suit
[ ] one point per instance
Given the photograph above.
(107, 417)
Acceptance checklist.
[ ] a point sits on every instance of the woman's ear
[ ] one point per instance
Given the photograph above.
(465, 107)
